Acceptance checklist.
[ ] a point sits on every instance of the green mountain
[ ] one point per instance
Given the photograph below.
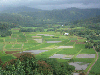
(42, 17)
(64, 15)
(18, 9)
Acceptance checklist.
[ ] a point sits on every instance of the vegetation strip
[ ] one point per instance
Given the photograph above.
(94, 62)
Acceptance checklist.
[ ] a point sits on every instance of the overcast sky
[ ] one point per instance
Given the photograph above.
(52, 4)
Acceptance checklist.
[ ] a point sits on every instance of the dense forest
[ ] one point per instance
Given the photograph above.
(42, 18)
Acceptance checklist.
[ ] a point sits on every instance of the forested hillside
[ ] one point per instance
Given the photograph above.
(35, 17)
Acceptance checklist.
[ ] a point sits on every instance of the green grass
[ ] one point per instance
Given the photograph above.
(18, 33)
(72, 38)
(81, 40)
(13, 36)
(88, 51)
(47, 54)
(22, 36)
(28, 45)
(6, 58)
(53, 39)
(43, 45)
(21, 40)
(70, 43)
(87, 60)
(8, 46)
(29, 36)
(31, 41)
(29, 27)
(80, 46)
(17, 46)
(1, 40)
(96, 67)
(10, 40)
(62, 60)
(63, 43)
(1, 46)
(69, 51)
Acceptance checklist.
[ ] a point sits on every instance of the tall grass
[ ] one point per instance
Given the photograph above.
(96, 68)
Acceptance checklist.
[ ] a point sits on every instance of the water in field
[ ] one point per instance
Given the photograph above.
(53, 41)
(79, 65)
(34, 51)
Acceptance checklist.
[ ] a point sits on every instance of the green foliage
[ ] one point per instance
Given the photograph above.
(1, 40)
(88, 51)
(87, 60)
(6, 58)
(28, 45)
(88, 45)
(31, 30)
(17, 46)
(0, 62)
(96, 67)
(13, 36)
(1, 46)
(10, 40)
(24, 65)
(62, 68)
(6, 33)
(69, 51)
(21, 40)
(8, 46)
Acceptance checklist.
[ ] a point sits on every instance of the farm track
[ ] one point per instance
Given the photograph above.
(94, 62)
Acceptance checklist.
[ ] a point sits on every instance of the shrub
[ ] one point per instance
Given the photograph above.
(62, 68)
(44, 67)
(0, 61)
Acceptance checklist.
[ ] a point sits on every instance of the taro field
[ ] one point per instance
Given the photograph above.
(51, 45)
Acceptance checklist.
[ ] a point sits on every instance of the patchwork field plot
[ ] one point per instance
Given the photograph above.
(28, 45)
(11, 52)
(95, 70)
(1, 46)
(86, 56)
(79, 65)
(45, 34)
(31, 41)
(21, 40)
(65, 47)
(17, 46)
(86, 60)
(39, 40)
(1, 40)
(10, 40)
(88, 51)
(36, 36)
(69, 49)
(62, 56)
(14, 36)
(8, 46)
(34, 51)
(53, 41)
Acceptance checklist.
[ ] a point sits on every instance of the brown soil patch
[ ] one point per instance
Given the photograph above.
(80, 38)
(71, 37)
(64, 47)
(36, 36)
(74, 40)
(11, 52)
(80, 43)
(16, 29)
(18, 54)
